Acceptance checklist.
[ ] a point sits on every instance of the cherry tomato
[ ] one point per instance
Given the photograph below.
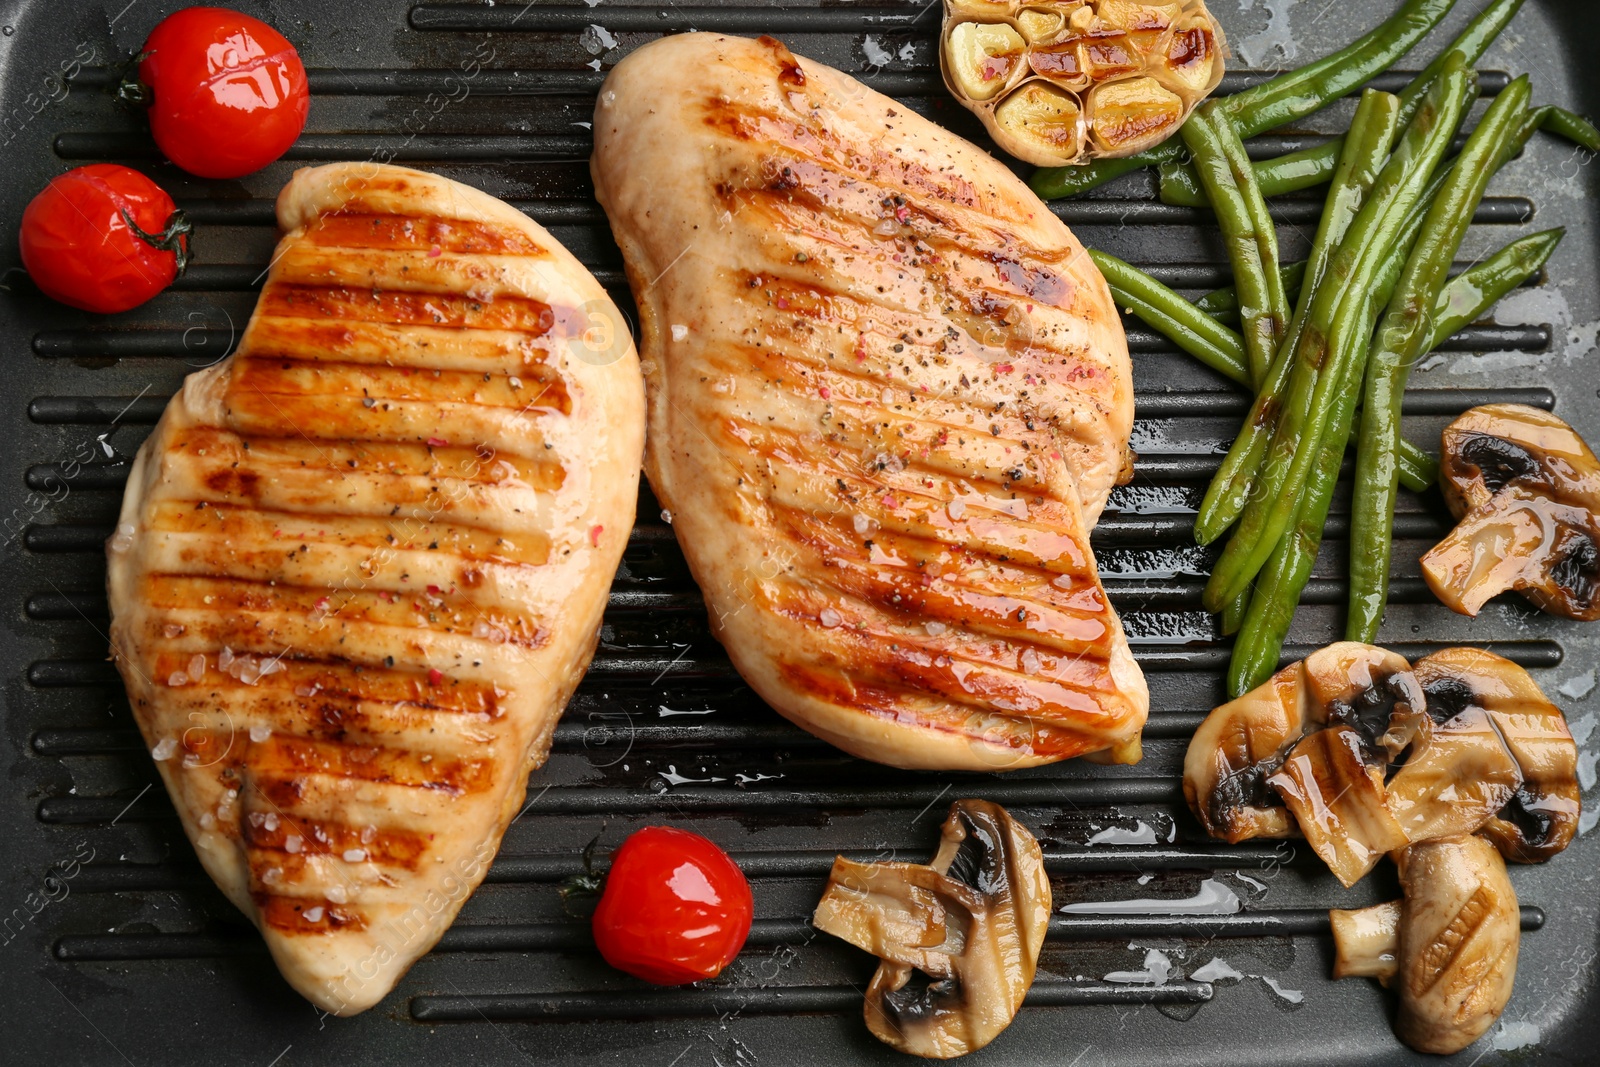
(103, 238)
(227, 93)
(675, 908)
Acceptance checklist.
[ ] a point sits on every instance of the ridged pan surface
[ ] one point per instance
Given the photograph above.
(116, 947)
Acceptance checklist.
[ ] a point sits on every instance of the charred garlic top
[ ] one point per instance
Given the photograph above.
(959, 937)
(1073, 80)
(1526, 489)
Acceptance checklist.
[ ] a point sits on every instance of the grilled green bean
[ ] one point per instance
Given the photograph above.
(1223, 304)
(1573, 126)
(1170, 315)
(1403, 338)
(1311, 167)
(1278, 588)
(1469, 296)
(1248, 233)
(1281, 100)
(1371, 134)
(1321, 356)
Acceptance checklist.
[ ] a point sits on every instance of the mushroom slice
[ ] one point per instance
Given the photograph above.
(1244, 742)
(981, 57)
(1333, 785)
(1450, 946)
(1526, 491)
(959, 937)
(1540, 815)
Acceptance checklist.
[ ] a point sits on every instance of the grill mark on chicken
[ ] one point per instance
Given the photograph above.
(395, 232)
(392, 308)
(367, 534)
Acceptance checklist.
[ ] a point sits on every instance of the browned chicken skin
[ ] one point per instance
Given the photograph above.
(889, 394)
(361, 564)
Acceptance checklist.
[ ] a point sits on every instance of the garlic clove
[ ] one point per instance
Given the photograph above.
(1046, 118)
(1129, 116)
(981, 58)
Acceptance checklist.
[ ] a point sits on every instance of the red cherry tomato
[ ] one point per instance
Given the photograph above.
(675, 908)
(103, 238)
(227, 92)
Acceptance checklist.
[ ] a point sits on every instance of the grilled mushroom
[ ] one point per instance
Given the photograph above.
(1313, 743)
(1450, 946)
(959, 937)
(1525, 796)
(1526, 491)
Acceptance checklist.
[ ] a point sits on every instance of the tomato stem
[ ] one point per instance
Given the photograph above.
(584, 886)
(174, 239)
(130, 89)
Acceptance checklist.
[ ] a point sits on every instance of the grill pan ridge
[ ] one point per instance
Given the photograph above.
(114, 946)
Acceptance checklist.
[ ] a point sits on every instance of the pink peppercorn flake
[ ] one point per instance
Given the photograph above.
(433, 589)
(594, 535)
(437, 442)
(435, 676)
(1004, 368)
(783, 303)
(435, 252)
(824, 392)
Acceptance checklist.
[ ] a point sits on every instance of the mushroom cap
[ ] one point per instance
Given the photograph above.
(1525, 488)
(1460, 929)
(959, 938)
(1334, 788)
(1540, 815)
(1233, 758)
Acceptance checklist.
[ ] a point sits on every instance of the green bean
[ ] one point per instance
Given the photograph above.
(1467, 298)
(1218, 347)
(1171, 315)
(1247, 231)
(1284, 99)
(1053, 183)
(1407, 326)
(1371, 134)
(1311, 167)
(1233, 615)
(1278, 589)
(1223, 304)
(1573, 126)
(1321, 355)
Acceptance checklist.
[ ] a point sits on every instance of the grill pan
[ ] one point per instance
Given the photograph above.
(116, 948)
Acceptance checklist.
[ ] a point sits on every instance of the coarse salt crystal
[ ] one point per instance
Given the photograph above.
(337, 894)
(197, 666)
(830, 618)
(679, 331)
(271, 666)
(368, 832)
(207, 821)
(293, 843)
(956, 508)
(255, 818)
(355, 855)
(666, 516)
(1030, 661)
(516, 383)
(177, 679)
(863, 523)
(172, 629)
(259, 734)
(192, 760)
(935, 628)
(314, 915)
(270, 821)
(225, 658)
(271, 875)
(122, 540)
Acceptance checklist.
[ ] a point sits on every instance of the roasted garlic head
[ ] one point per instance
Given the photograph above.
(1075, 80)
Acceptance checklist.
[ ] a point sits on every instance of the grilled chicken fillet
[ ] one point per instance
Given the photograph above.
(361, 564)
(888, 396)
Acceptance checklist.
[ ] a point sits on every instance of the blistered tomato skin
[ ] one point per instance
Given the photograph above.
(77, 245)
(227, 93)
(675, 908)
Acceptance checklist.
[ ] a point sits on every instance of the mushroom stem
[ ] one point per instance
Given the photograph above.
(1366, 941)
